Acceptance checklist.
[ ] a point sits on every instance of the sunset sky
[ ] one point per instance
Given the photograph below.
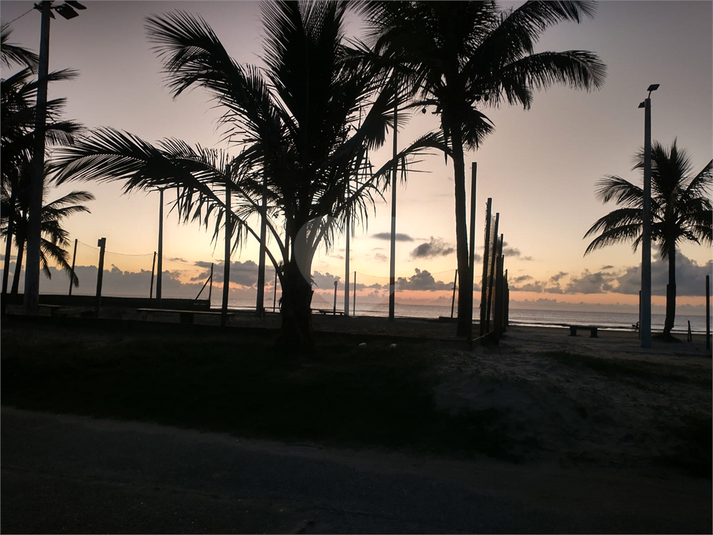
(539, 167)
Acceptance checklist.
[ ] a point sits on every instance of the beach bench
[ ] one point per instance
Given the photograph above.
(324, 312)
(185, 316)
(592, 330)
(52, 308)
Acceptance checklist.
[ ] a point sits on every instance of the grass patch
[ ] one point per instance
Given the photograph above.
(342, 395)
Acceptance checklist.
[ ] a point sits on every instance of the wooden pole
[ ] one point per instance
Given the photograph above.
(453, 299)
(260, 304)
(354, 300)
(100, 275)
(346, 266)
(708, 312)
(153, 269)
(471, 256)
(226, 267)
(334, 311)
(159, 270)
(71, 272)
(491, 279)
(210, 285)
(392, 259)
(486, 263)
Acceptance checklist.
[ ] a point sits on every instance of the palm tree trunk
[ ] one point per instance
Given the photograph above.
(296, 308)
(670, 296)
(18, 267)
(465, 273)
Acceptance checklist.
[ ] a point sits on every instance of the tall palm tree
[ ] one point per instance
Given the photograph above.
(54, 239)
(297, 121)
(680, 211)
(464, 57)
(18, 109)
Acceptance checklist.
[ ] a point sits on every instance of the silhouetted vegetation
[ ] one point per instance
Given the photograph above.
(462, 58)
(680, 211)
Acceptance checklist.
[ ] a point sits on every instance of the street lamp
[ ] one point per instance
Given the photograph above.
(32, 267)
(645, 320)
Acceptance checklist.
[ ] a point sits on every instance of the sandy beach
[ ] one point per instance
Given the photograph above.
(569, 400)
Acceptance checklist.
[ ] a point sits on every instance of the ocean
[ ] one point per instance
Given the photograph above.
(617, 321)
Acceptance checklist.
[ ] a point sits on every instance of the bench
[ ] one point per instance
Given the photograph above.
(332, 312)
(592, 330)
(52, 308)
(185, 316)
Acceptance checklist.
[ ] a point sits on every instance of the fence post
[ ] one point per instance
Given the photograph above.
(708, 312)
(100, 275)
(71, 273)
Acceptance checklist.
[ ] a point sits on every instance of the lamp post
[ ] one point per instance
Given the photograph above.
(645, 321)
(32, 266)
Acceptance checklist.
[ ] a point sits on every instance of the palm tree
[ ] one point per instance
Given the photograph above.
(54, 238)
(18, 102)
(680, 211)
(463, 57)
(297, 121)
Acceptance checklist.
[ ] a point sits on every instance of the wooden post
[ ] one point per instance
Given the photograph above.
(354, 300)
(160, 248)
(392, 256)
(471, 258)
(71, 272)
(708, 312)
(334, 311)
(346, 265)
(486, 263)
(274, 293)
(153, 269)
(100, 275)
(260, 300)
(210, 285)
(226, 267)
(453, 299)
(491, 279)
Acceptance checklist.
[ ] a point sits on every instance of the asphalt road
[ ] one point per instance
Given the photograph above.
(69, 474)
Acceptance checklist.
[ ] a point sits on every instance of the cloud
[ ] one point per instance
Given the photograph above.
(690, 280)
(432, 249)
(324, 281)
(241, 273)
(422, 280)
(592, 283)
(387, 236)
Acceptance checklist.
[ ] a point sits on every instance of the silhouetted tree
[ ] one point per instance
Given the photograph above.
(463, 57)
(53, 238)
(680, 211)
(18, 110)
(305, 123)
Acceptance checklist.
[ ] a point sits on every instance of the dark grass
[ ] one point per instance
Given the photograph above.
(341, 395)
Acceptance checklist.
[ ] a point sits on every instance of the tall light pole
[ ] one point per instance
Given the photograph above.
(392, 251)
(645, 321)
(32, 266)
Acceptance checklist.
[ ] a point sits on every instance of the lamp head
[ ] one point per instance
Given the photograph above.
(653, 87)
(642, 104)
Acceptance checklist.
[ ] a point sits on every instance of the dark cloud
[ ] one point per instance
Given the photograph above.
(241, 273)
(325, 281)
(432, 249)
(387, 236)
(422, 280)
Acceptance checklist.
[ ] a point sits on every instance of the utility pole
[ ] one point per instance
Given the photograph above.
(392, 260)
(32, 265)
(645, 326)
